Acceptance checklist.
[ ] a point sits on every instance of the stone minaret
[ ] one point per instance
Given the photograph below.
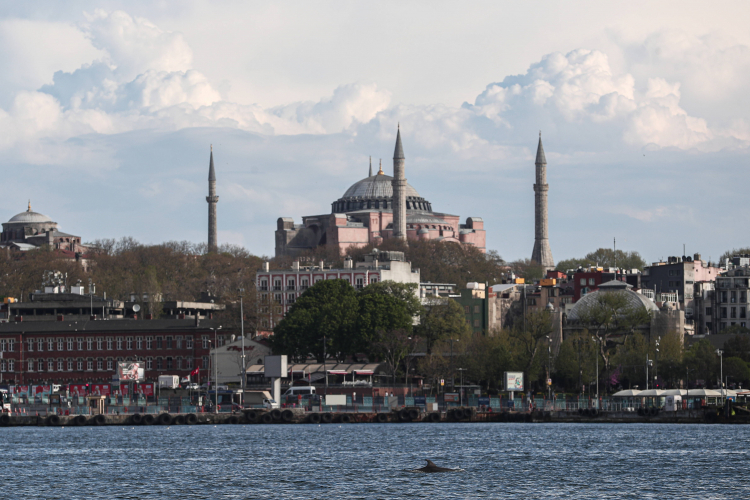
(542, 253)
(212, 200)
(399, 190)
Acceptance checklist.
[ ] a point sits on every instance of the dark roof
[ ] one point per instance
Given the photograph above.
(398, 153)
(540, 158)
(109, 326)
(211, 171)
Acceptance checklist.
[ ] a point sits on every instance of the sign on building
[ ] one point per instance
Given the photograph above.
(129, 371)
(275, 366)
(514, 381)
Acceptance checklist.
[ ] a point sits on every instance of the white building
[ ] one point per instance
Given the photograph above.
(229, 359)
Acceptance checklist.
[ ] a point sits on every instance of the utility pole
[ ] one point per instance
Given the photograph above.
(216, 369)
(721, 373)
(242, 332)
(597, 372)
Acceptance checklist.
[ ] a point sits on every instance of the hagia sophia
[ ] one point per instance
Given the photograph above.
(368, 213)
(30, 230)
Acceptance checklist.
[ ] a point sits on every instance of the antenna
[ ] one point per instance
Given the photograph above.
(615, 251)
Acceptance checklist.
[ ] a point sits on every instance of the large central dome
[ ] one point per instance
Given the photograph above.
(376, 186)
(376, 192)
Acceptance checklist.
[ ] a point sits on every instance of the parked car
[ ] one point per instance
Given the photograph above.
(192, 387)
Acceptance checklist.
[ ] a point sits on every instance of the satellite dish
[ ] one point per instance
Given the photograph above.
(136, 308)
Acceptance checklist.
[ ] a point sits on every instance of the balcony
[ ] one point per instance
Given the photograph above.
(290, 287)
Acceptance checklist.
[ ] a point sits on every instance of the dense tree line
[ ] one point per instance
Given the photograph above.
(605, 257)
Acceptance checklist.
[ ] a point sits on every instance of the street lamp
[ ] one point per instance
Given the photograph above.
(216, 369)
(720, 353)
(461, 389)
(596, 339)
(242, 332)
(648, 363)
(656, 364)
(453, 380)
(549, 368)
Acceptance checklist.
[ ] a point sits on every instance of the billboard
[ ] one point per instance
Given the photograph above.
(276, 367)
(514, 381)
(129, 371)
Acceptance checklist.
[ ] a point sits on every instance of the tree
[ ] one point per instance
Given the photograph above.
(486, 358)
(702, 358)
(380, 312)
(394, 346)
(605, 257)
(527, 269)
(529, 339)
(442, 318)
(327, 310)
(736, 370)
(575, 364)
(405, 293)
(630, 358)
(731, 253)
(611, 314)
(738, 346)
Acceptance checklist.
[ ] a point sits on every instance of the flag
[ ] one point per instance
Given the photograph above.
(194, 373)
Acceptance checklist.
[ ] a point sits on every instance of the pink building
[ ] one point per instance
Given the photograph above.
(364, 215)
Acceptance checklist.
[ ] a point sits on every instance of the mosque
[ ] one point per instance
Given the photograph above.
(30, 230)
(371, 211)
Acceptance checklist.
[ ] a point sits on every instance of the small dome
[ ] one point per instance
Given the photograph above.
(424, 230)
(376, 186)
(30, 217)
(590, 299)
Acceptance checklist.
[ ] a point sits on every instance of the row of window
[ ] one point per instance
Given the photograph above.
(732, 297)
(106, 343)
(733, 312)
(305, 284)
(70, 364)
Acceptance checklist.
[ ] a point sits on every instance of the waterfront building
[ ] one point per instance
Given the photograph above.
(678, 275)
(228, 358)
(279, 289)
(374, 209)
(731, 296)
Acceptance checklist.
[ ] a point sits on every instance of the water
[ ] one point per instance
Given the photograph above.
(501, 460)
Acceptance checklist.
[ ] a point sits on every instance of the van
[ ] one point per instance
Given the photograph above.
(307, 390)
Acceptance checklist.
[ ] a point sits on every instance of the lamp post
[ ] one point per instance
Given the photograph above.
(453, 380)
(325, 367)
(720, 353)
(656, 364)
(242, 333)
(461, 389)
(216, 370)
(596, 339)
(648, 363)
(549, 368)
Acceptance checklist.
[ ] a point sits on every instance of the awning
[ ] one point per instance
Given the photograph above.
(364, 372)
(338, 372)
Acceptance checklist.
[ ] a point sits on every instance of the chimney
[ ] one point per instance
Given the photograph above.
(322, 264)
(348, 264)
(266, 266)
(295, 265)
(697, 256)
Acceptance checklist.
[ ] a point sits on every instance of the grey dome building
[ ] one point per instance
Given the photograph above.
(29, 230)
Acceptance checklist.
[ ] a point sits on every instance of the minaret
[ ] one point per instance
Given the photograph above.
(542, 254)
(370, 174)
(212, 200)
(399, 190)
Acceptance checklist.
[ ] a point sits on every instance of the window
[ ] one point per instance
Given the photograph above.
(204, 361)
(79, 364)
(30, 345)
(2, 365)
(290, 298)
(743, 297)
(149, 341)
(277, 285)
(723, 312)
(50, 345)
(119, 343)
(592, 281)
(169, 363)
(40, 345)
(290, 284)
(476, 309)
(129, 343)
(159, 365)
(188, 342)
(158, 342)
(708, 311)
(188, 363)
(139, 343)
(264, 284)
(734, 296)
(30, 365)
(360, 282)
(476, 323)
(70, 344)
(99, 343)
(60, 365)
(277, 298)
(169, 342)
(89, 344)
(178, 342)
(110, 364)
(734, 312)
(110, 343)
(11, 345)
(60, 344)
(79, 343)
(742, 312)
(373, 280)
(467, 309)
(304, 283)
(50, 365)
(40, 365)
(583, 281)
(205, 341)
(178, 363)
(149, 363)
(90, 365)
(99, 364)
(2, 345)
(12, 362)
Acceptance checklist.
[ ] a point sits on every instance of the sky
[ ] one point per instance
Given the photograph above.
(108, 110)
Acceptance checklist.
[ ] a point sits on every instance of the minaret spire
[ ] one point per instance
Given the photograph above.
(370, 174)
(542, 254)
(212, 200)
(399, 189)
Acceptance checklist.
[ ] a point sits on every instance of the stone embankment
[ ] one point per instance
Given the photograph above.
(403, 415)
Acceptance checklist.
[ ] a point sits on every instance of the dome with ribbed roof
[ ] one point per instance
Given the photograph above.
(376, 186)
(30, 217)
(376, 192)
(589, 300)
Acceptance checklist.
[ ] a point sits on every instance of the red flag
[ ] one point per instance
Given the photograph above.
(194, 373)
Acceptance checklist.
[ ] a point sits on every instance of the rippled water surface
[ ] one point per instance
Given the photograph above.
(500, 460)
